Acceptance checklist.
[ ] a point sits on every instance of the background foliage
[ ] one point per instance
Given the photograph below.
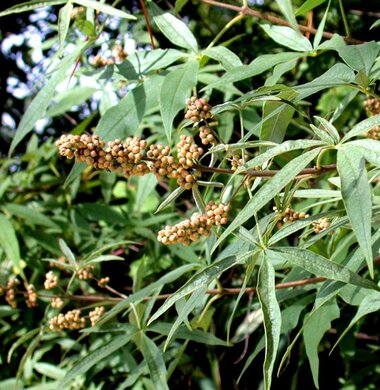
(264, 300)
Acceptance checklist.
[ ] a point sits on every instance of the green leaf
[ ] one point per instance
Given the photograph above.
(174, 29)
(184, 333)
(257, 66)
(360, 57)
(227, 58)
(146, 291)
(272, 317)
(308, 5)
(68, 99)
(338, 74)
(369, 148)
(9, 243)
(172, 196)
(362, 127)
(318, 36)
(370, 304)
(288, 37)
(155, 361)
(21, 340)
(314, 329)
(85, 27)
(68, 253)
(94, 357)
(274, 129)
(319, 265)
(286, 8)
(30, 6)
(105, 8)
(31, 215)
(269, 190)
(179, 4)
(49, 370)
(64, 17)
(174, 91)
(329, 128)
(356, 194)
(37, 108)
(122, 120)
(75, 173)
(187, 308)
(143, 62)
(199, 281)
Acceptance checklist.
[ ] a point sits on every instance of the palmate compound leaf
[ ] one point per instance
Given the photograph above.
(320, 266)
(268, 191)
(314, 329)
(272, 317)
(356, 194)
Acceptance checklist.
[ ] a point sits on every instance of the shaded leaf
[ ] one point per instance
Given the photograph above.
(174, 29)
(320, 266)
(122, 120)
(356, 194)
(269, 190)
(272, 317)
(9, 243)
(314, 329)
(288, 37)
(174, 91)
(95, 357)
(156, 364)
(64, 16)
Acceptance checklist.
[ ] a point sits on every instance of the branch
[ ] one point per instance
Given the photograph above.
(265, 173)
(275, 19)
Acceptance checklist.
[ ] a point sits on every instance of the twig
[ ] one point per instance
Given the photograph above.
(265, 173)
(274, 19)
(146, 16)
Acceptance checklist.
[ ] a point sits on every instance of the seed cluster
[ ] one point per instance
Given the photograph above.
(96, 314)
(197, 109)
(103, 281)
(290, 215)
(51, 280)
(31, 300)
(320, 225)
(10, 291)
(122, 157)
(86, 273)
(206, 135)
(71, 320)
(56, 303)
(196, 226)
(372, 105)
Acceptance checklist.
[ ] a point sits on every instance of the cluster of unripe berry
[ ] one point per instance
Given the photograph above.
(197, 109)
(290, 215)
(372, 105)
(95, 314)
(197, 225)
(10, 291)
(320, 225)
(71, 320)
(127, 157)
(51, 280)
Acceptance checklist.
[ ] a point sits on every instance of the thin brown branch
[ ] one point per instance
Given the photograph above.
(265, 173)
(146, 16)
(274, 19)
